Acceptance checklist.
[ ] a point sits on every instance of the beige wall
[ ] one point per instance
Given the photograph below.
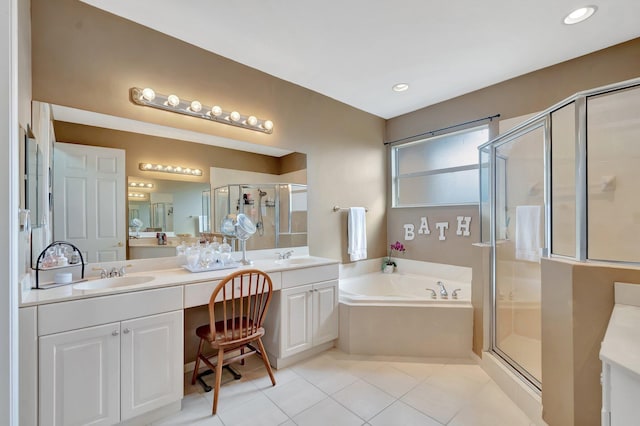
(88, 59)
(519, 96)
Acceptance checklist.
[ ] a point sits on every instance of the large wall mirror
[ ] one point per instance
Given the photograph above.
(147, 201)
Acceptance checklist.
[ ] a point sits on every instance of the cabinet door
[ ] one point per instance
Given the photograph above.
(152, 363)
(325, 312)
(80, 377)
(295, 311)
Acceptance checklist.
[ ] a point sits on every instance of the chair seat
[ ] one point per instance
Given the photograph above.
(204, 331)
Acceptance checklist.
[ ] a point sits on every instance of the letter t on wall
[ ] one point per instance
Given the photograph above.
(441, 227)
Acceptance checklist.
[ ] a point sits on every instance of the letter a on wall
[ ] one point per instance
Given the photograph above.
(424, 226)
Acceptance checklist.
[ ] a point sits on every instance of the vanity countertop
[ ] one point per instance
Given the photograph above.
(621, 344)
(172, 276)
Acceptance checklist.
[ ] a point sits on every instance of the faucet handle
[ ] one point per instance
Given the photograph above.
(103, 272)
(123, 271)
(454, 293)
(433, 293)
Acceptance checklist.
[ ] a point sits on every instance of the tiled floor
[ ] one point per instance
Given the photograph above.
(339, 389)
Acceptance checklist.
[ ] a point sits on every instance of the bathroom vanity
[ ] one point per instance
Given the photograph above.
(621, 360)
(115, 355)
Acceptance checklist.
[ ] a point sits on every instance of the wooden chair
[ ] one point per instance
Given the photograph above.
(242, 300)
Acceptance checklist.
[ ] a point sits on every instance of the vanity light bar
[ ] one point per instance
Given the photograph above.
(148, 97)
(136, 195)
(140, 185)
(149, 167)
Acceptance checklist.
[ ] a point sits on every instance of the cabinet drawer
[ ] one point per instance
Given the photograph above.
(304, 276)
(199, 294)
(64, 316)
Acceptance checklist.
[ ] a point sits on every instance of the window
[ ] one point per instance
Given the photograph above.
(442, 170)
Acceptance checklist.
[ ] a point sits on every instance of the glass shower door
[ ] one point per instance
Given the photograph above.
(519, 235)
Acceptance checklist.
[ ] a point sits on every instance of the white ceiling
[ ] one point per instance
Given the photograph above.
(356, 50)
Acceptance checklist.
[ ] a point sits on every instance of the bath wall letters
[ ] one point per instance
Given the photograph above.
(464, 227)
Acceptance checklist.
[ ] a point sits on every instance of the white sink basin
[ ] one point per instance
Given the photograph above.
(113, 282)
(296, 261)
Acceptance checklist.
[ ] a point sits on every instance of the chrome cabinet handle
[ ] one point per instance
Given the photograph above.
(126, 331)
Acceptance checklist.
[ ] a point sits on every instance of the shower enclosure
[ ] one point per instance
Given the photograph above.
(279, 211)
(561, 184)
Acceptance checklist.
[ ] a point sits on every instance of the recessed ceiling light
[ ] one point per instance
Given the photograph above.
(580, 15)
(400, 87)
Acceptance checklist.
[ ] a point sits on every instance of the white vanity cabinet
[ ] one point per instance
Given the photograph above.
(303, 317)
(110, 359)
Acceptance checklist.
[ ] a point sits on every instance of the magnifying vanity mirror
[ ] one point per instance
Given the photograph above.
(133, 203)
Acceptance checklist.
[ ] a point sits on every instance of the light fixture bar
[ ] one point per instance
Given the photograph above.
(140, 185)
(149, 167)
(147, 97)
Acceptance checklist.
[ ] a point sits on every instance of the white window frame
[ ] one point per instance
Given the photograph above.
(396, 179)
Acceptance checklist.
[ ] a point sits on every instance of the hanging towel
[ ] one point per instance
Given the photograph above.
(528, 241)
(357, 228)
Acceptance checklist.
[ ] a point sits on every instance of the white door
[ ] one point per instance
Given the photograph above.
(296, 319)
(89, 200)
(152, 363)
(325, 312)
(80, 377)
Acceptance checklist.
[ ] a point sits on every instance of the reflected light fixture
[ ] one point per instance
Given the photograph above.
(140, 185)
(136, 195)
(194, 108)
(150, 167)
(580, 14)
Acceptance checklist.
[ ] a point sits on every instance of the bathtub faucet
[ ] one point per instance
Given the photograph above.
(443, 290)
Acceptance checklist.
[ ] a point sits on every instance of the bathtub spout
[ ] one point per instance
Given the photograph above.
(443, 290)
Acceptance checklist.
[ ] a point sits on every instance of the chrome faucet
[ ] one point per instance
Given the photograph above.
(443, 290)
(454, 293)
(285, 255)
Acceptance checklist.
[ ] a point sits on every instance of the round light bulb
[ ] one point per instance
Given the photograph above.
(169, 169)
(196, 106)
(159, 167)
(216, 111)
(173, 100)
(268, 125)
(149, 185)
(252, 121)
(133, 184)
(179, 169)
(148, 166)
(148, 94)
(234, 116)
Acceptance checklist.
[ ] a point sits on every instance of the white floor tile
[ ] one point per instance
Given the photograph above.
(491, 407)
(259, 411)
(295, 396)
(327, 412)
(401, 414)
(196, 409)
(376, 391)
(363, 399)
(435, 402)
(391, 380)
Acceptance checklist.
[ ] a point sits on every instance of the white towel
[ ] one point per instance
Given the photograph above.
(357, 228)
(528, 240)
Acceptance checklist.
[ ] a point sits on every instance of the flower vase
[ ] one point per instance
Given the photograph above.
(388, 269)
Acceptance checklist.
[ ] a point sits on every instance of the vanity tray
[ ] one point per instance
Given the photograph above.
(215, 267)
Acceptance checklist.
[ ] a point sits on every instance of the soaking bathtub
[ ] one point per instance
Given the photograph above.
(395, 314)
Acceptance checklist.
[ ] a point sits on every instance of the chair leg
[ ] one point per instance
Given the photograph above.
(216, 389)
(265, 359)
(197, 366)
